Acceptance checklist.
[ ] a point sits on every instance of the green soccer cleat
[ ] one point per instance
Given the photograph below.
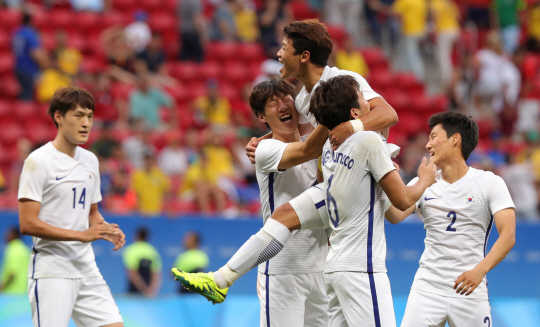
(202, 283)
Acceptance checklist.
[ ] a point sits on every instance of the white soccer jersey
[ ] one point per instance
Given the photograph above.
(303, 98)
(352, 174)
(66, 187)
(458, 218)
(306, 250)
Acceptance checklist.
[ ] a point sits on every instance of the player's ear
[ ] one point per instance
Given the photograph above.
(261, 117)
(57, 117)
(456, 138)
(355, 113)
(305, 57)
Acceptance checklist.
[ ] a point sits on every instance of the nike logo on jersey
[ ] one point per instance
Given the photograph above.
(427, 199)
(60, 178)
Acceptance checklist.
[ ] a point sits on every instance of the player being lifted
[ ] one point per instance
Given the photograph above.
(458, 213)
(59, 193)
(304, 54)
(355, 207)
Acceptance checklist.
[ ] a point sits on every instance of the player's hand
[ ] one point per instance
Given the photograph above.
(339, 134)
(396, 165)
(467, 282)
(119, 239)
(99, 232)
(250, 149)
(427, 173)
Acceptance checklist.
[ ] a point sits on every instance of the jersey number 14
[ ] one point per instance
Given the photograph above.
(82, 198)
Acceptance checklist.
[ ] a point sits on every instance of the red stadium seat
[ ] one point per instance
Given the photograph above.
(209, 69)
(180, 94)
(24, 109)
(222, 50)
(93, 65)
(439, 103)
(184, 71)
(301, 10)
(115, 18)
(10, 19)
(121, 91)
(337, 33)
(78, 41)
(10, 132)
(380, 79)
(62, 18)
(48, 40)
(10, 87)
(7, 62)
(38, 132)
(229, 91)
(5, 41)
(149, 5)
(196, 90)
(421, 104)
(124, 5)
(235, 72)
(374, 57)
(88, 20)
(399, 100)
(162, 21)
(5, 108)
(412, 124)
(250, 51)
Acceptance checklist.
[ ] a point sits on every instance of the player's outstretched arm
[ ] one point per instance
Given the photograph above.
(505, 221)
(95, 217)
(380, 117)
(395, 216)
(297, 153)
(403, 197)
(32, 225)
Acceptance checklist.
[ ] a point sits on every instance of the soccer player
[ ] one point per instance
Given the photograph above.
(458, 213)
(357, 255)
(59, 192)
(304, 54)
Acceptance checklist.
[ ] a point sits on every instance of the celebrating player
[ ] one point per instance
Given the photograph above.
(458, 213)
(304, 54)
(59, 193)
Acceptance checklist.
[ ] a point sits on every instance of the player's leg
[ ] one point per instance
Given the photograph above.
(282, 299)
(95, 305)
(365, 298)
(425, 309)
(465, 312)
(261, 247)
(336, 318)
(52, 301)
(316, 313)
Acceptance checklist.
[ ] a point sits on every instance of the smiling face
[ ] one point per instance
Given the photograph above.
(441, 148)
(75, 125)
(280, 114)
(291, 62)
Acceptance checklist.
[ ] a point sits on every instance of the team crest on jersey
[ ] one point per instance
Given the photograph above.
(470, 199)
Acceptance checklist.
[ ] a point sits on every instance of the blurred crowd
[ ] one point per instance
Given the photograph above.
(172, 116)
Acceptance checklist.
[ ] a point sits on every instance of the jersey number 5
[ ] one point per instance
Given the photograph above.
(454, 217)
(331, 200)
(82, 199)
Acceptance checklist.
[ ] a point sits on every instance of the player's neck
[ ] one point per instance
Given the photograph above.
(310, 76)
(63, 145)
(454, 171)
(287, 137)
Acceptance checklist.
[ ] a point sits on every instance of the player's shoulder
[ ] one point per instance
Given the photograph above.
(87, 155)
(269, 145)
(40, 155)
(484, 179)
(365, 138)
(301, 95)
(334, 71)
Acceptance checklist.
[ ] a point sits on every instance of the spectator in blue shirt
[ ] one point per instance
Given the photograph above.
(29, 54)
(145, 102)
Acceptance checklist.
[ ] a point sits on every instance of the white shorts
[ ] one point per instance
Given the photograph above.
(87, 300)
(293, 300)
(310, 207)
(359, 299)
(432, 310)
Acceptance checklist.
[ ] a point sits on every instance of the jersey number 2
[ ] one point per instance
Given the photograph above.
(331, 200)
(454, 217)
(82, 199)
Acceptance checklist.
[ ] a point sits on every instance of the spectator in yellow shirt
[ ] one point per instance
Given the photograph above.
(69, 58)
(413, 14)
(52, 79)
(151, 185)
(533, 42)
(351, 59)
(213, 109)
(245, 21)
(445, 14)
(13, 279)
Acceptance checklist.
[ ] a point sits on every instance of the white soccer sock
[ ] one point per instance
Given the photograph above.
(259, 248)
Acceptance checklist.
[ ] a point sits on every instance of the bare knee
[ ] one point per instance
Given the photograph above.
(286, 215)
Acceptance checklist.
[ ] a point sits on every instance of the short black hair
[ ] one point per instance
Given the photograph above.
(266, 90)
(454, 122)
(142, 233)
(68, 98)
(333, 100)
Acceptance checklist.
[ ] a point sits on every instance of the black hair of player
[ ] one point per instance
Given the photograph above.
(333, 100)
(310, 35)
(142, 234)
(454, 122)
(264, 91)
(68, 98)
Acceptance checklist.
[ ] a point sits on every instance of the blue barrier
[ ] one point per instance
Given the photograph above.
(517, 277)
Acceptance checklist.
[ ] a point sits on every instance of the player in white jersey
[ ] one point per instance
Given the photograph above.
(291, 285)
(59, 192)
(458, 213)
